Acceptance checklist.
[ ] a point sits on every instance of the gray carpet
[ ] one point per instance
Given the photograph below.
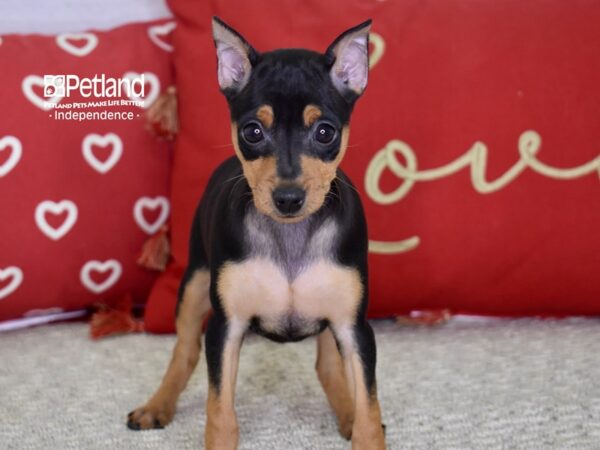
(500, 385)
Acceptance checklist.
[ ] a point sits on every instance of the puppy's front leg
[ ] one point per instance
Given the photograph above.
(223, 341)
(194, 304)
(357, 343)
(333, 378)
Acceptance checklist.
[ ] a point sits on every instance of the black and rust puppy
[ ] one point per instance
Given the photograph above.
(279, 242)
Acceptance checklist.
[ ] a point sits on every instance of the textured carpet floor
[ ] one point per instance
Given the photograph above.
(500, 385)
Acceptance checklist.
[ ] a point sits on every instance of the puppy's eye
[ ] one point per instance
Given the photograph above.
(253, 133)
(324, 133)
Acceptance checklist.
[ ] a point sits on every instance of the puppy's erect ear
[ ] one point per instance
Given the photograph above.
(349, 55)
(235, 57)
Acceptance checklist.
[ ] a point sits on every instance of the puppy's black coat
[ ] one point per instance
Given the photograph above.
(279, 241)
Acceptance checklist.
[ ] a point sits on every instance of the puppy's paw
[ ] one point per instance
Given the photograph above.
(345, 426)
(369, 439)
(149, 416)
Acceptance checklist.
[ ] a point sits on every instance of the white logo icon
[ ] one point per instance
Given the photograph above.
(54, 86)
(46, 104)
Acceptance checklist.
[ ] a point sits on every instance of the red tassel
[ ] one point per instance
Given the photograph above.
(156, 251)
(110, 321)
(162, 118)
(426, 317)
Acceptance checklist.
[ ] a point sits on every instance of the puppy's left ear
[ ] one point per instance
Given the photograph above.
(235, 57)
(349, 55)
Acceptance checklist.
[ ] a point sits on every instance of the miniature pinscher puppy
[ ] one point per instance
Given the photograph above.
(279, 241)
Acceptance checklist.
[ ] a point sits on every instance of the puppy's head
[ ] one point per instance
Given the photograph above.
(290, 111)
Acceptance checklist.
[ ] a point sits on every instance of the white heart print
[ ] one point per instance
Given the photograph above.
(155, 31)
(45, 104)
(111, 265)
(17, 278)
(151, 203)
(48, 206)
(16, 150)
(102, 141)
(150, 95)
(63, 41)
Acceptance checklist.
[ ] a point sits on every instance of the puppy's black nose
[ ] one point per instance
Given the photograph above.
(288, 199)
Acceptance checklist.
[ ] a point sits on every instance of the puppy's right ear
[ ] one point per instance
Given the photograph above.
(235, 57)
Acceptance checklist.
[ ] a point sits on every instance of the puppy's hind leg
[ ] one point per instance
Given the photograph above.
(194, 304)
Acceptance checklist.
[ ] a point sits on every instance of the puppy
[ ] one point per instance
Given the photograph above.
(279, 241)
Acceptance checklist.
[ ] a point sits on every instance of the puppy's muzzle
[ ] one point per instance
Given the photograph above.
(288, 199)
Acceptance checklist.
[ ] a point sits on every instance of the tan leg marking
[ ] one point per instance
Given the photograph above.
(159, 410)
(222, 431)
(331, 372)
(367, 433)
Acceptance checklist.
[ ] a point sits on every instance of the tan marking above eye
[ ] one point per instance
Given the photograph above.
(311, 114)
(265, 115)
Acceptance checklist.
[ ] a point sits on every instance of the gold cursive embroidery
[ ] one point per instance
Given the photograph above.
(378, 49)
(391, 248)
(476, 157)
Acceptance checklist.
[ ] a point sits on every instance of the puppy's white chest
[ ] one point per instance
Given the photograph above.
(260, 289)
(289, 283)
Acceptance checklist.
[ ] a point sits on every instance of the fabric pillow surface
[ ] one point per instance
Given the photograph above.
(78, 198)
(475, 147)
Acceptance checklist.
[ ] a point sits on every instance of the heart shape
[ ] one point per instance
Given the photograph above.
(43, 103)
(62, 40)
(17, 278)
(48, 206)
(152, 94)
(151, 203)
(154, 33)
(102, 141)
(15, 153)
(111, 265)
(378, 49)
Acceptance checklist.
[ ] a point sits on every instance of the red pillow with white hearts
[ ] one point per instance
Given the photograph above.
(474, 147)
(78, 197)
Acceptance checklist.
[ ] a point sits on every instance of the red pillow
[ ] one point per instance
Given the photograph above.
(78, 197)
(475, 147)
